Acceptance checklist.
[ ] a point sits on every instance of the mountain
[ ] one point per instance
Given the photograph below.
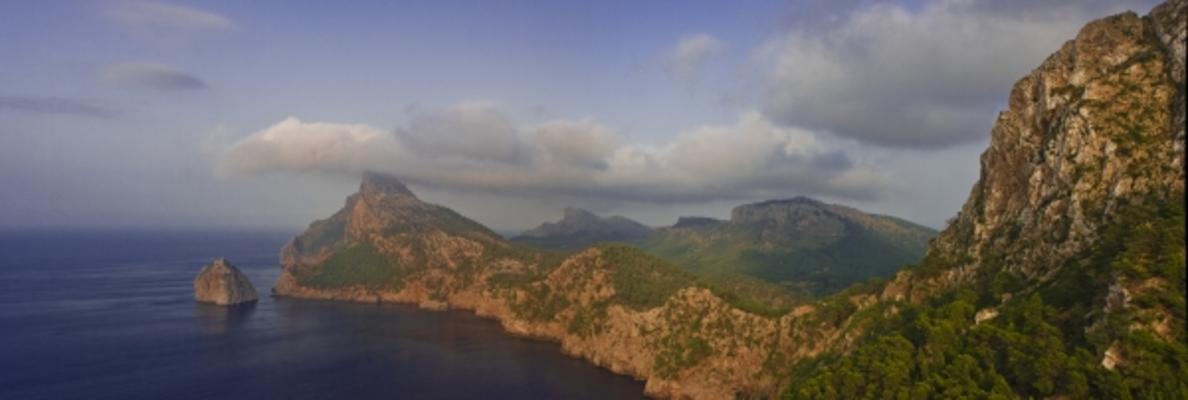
(383, 239)
(800, 243)
(580, 228)
(1063, 276)
(611, 304)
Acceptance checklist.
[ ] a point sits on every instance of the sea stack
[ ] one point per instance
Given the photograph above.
(222, 284)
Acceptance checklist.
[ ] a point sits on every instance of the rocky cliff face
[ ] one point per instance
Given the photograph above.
(1096, 128)
(580, 228)
(611, 304)
(222, 284)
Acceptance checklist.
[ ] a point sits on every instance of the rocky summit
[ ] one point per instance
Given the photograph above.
(221, 283)
(1063, 275)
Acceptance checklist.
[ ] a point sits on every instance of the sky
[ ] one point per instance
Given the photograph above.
(263, 114)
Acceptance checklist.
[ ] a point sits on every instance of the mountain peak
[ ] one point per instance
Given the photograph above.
(577, 214)
(696, 222)
(381, 183)
(579, 228)
(794, 200)
(798, 208)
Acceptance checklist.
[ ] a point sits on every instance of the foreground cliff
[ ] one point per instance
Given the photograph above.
(1097, 128)
(1063, 276)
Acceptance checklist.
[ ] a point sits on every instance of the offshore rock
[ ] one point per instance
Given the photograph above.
(222, 284)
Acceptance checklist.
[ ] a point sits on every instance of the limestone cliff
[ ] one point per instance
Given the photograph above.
(1097, 127)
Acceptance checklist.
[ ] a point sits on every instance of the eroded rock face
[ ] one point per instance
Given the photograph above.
(222, 284)
(1097, 127)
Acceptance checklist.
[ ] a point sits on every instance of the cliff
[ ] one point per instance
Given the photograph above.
(1063, 274)
(1098, 127)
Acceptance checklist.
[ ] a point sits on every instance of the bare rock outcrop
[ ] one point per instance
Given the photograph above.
(1098, 127)
(222, 284)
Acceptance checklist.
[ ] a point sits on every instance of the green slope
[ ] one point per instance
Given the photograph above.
(1046, 343)
(820, 258)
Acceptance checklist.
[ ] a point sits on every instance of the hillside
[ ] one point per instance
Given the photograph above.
(580, 228)
(611, 304)
(802, 244)
(1064, 274)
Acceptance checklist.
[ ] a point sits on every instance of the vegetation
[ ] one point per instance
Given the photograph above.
(359, 264)
(588, 321)
(642, 281)
(1047, 342)
(804, 265)
(679, 352)
(541, 304)
(323, 233)
(570, 242)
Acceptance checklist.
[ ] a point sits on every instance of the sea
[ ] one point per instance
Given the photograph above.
(111, 315)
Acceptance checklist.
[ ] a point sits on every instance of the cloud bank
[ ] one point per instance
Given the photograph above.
(477, 147)
(928, 77)
(149, 76)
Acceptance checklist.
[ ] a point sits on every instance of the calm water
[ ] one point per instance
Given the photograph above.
(110, 315)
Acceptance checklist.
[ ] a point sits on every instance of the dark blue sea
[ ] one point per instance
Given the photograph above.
(109, 315)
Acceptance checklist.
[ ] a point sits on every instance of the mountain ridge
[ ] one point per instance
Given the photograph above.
(806, 245)
(579, 228)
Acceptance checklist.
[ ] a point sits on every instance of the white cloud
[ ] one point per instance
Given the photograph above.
(149, 76)
(152, 14)
(690, 55)
(293, 145)
(928, 77)
(752, 158)
(583, 143)
(471, 130)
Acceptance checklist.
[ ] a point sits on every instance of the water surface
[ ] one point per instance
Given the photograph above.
(109, 315)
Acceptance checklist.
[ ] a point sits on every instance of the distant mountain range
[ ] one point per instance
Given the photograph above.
(802, 244)
(580, 228)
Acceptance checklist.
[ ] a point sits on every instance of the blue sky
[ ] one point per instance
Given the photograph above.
(262, 113)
